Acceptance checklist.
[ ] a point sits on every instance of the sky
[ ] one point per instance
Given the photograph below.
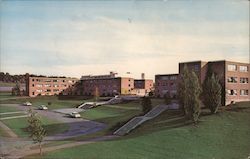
(75, 38)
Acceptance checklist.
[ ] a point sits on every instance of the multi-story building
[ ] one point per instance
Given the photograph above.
(233, 76)
(166, 83)
(107, 85)
(37, 85)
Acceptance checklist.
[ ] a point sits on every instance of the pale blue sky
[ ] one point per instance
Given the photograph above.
(74, 38)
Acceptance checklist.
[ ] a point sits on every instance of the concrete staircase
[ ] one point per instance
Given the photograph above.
(136, 121)
(89, 105)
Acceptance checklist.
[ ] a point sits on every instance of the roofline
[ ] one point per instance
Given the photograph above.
(192, 62)
(167, 74)
(228, 61)
(53, 77)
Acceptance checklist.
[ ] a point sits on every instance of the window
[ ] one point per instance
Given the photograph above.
(55, 80)
(243, 69)
(232, 92)
(129, 85)
(56, 85)
(39, 85)
(47, 85)
(55, 90)
(33, 80)
(164, 78)
(243, 80)
(48, 80)
(173, 77)
(231, 67)
(48, 90)
(33, 85)
(33, 93)
(39, 90)
(232, 79)
(196, 68)
(244, 92)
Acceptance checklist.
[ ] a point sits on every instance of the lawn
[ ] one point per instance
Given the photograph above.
(18, 125)
(44, 100)
(4, 109)
(223, 135)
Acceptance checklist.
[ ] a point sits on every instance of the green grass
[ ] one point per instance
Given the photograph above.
(6, 96)
(44, 100)
(223, 135)
(11, 115)
(18, 125)
(4, 109)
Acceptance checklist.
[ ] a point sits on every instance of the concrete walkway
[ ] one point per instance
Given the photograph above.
(14, 117)
(9, 132)
(135, 122)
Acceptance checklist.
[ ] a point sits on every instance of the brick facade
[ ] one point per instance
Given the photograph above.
(47, 85)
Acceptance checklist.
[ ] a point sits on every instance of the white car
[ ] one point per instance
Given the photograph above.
(27, 104)
(43, 107)
(75, 115)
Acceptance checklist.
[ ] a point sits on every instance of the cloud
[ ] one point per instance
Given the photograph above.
(89, 44)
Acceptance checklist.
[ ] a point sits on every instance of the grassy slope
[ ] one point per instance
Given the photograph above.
(225, 135)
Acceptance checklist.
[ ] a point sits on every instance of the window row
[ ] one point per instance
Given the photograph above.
(232, 67)
(49, 80)
(235, 80)
(168, 78)
(47, 90)
(233, 92)
(49, 85)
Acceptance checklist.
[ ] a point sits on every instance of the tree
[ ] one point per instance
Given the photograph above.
(212, 93)
(17, 89)
(146, 104)
(183, 90)
(189, 91)
(96, 94)
(167, 98)
(37, 132)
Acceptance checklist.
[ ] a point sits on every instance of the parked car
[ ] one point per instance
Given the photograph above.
(43, 107)
(75, 115)
(27, 104)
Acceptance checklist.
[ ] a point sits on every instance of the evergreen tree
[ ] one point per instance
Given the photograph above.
(146, 104)
(212, 93)
(167, 98)
(183, 90)
(189, 91)
(194, 92)
(37, 132)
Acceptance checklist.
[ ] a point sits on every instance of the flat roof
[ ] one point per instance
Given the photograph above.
(167, 74)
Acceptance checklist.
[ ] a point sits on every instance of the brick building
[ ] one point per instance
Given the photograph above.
(36, 85)
(166, 83)
(109, 85)
(234, 79)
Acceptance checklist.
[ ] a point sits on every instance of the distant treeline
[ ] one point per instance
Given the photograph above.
(6, 77)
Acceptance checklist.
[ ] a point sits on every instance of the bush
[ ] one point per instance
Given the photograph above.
(146, 104)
